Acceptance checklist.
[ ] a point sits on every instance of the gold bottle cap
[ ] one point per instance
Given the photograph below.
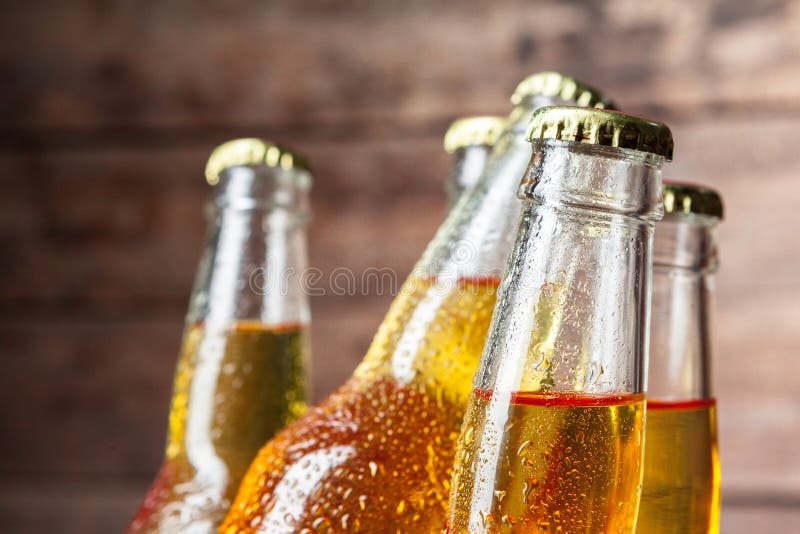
(471, 131)
(555, 84)
(692, 199)
(601, 127)
(250, 151)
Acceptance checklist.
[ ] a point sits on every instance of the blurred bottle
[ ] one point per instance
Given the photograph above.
(681, 467)
(470, 140)
(553, 436)
(376, 456)
(241, 375)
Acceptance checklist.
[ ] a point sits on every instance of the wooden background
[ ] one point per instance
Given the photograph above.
(109, 110)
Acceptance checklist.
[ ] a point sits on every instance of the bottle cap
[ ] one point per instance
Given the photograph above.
(473, 131)
(555, 84)
(601, 127)
(692, 199)
(251, 151)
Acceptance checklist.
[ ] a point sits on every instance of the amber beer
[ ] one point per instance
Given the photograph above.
(681, 491)
(376, 456)
(554, 433)
(241, 375)
(682, 472)
(259, 385)
(356, 467)
(257, 361)
(548, 487)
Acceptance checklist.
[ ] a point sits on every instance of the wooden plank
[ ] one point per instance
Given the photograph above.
(759, 189)
(126, 223)
(110, 238)
(99, 505)
(94, 397)
(134, 64)
(91, 396)
(108, 113)
(759, 408)
(116, 423)
(759, 518)
(68, 505)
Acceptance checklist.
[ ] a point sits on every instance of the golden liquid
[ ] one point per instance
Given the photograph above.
(376, 456)
(234, 388)
(558, 462)
(681, 469)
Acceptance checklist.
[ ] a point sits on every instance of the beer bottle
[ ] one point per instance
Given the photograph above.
(553, 437)
(470, 140)
(241, 374)
(376, 455)
(680, 493)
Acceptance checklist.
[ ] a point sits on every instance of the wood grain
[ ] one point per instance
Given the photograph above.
(123, 370)
(99, 505)
(145, 64)
(109, 110)
(128, 223)
(117, 423)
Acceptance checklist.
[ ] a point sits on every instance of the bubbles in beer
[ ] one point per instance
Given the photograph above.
(235, 386)
(549, 462)
(377, 455)
(680, 491)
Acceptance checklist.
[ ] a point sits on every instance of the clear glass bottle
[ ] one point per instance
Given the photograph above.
(241, 375)
(681, 489)
(470, 140)
(376, 455)
(553, 437)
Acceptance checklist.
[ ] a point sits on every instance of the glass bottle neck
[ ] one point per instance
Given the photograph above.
(256, 253)
(468, 165)
(477, 236)
(685, 260)
(573, 310)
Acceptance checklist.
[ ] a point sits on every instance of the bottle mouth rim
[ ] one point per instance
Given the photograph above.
(481, 130)
(636, 196)
(687, 199)
(252, 152)
(556, 84)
